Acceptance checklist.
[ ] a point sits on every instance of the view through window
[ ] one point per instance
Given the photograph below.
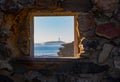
(53, 36)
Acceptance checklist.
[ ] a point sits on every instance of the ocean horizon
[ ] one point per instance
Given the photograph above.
(46, 50)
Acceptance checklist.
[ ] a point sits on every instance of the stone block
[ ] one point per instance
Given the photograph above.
(1, 17)
(89, 44)
(117, 41)
(117, 64)
(9, 6)
(107, 48)
(89, 33)
(77, 5)
(24, 3)
(107, 30)
(4, 64)
(117, 15)
(86, 21)
(115, 53)
(106, 5)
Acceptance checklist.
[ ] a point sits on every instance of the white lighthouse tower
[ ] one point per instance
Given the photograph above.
(59, 39)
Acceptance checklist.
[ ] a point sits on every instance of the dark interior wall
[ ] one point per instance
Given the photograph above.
(98, 27)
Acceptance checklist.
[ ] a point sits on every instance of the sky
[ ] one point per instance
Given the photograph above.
(51, 28)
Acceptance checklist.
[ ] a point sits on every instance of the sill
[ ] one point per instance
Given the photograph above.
(44, 63)
(38, 59)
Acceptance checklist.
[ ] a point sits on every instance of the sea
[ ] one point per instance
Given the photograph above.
(46, 50)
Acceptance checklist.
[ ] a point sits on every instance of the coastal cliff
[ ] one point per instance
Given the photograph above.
(67, 50)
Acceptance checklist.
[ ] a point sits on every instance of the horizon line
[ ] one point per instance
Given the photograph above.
(51, 40)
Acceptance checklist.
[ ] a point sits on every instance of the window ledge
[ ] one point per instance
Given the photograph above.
(44, 63)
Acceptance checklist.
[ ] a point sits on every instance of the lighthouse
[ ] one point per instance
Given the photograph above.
(59, 39)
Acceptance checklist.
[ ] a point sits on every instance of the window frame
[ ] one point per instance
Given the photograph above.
(76, 34)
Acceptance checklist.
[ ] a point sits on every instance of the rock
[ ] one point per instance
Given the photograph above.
(108, 14)
(115, 55)
(19, 78)
(106, 5)
(87, 47)
(117, 15)
(117, 64)
(86, 22)
(24, 3)
(89, 44)
(85, 55)
(1, 17)
(32, 75)
(101, 42)
(8, 6)
(115, 52)
(78, 5)
(89, 68)
(23, 43)
(5, 33)
(5, 51)
(107, 30)
(4, 64)
(86, 34)
(116, 41)
(81, 48)
(67, 50)
(102, 19)
(105, 52)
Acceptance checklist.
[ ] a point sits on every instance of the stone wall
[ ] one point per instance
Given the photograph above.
(100, 31)
(99, 41)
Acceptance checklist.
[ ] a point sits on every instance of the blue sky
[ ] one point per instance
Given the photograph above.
(50, 28)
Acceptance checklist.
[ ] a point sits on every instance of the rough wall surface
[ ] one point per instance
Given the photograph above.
(99, 41)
